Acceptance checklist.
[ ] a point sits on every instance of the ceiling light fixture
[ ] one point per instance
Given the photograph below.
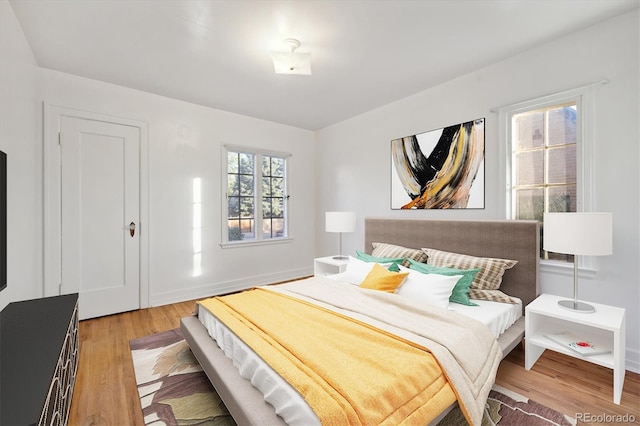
(291, 62)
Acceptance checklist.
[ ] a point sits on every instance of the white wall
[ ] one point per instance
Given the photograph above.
(20, 138)
(353, 157)
(184, 143)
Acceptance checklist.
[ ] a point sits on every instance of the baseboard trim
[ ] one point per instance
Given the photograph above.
(223, 287)
(632, 361)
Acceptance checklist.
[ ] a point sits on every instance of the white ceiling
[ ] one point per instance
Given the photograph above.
(364, 54)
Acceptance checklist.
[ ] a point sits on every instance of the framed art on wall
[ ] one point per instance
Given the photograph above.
(439, 169)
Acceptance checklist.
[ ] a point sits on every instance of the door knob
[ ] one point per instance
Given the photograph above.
(132, 229)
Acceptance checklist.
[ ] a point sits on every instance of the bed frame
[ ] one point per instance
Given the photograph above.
(506, 239)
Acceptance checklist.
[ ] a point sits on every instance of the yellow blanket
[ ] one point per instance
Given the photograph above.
(348, 372)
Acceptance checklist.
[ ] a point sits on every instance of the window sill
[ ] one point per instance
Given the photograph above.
(238, 244)
(565, 268)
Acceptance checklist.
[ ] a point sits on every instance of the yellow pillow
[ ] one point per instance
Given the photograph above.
(383, 280)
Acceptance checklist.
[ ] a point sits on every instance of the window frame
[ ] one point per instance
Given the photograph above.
(258, 197)
(585, 131)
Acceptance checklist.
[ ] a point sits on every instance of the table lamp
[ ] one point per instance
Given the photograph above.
(340, 222)
(578, 234)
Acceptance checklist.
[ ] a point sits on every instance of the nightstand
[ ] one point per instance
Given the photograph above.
(329, 266)
(605, 326)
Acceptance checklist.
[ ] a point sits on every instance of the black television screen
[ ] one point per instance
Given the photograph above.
(3, 220)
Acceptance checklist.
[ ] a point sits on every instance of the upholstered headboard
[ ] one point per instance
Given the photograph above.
(506, 239)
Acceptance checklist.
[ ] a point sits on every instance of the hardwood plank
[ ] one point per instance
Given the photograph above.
(105, 392)
(570, 385)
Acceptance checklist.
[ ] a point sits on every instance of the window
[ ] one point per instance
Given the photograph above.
(543, 143)
(255, 196)
(273, 197)
(548, 142)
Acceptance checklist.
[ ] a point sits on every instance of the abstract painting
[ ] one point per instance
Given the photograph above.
(439, 169)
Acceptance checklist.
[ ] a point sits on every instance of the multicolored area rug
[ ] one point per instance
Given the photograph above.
(175, 391)
(173, 388)
(508, 408)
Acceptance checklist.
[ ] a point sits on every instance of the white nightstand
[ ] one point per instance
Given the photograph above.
(606, 326)
(328, 265)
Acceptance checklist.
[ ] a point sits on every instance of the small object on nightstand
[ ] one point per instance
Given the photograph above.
(581, 346)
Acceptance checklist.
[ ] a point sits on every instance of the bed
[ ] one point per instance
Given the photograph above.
(517, 240)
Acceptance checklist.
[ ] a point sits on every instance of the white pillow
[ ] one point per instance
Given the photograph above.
(430, 289)
(355, 272)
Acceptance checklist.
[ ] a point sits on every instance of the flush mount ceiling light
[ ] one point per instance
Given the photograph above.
(291, 62)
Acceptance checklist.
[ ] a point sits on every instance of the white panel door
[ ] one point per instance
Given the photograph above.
(100, 210)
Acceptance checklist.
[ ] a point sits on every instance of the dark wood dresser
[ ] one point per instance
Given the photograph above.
(39, 350)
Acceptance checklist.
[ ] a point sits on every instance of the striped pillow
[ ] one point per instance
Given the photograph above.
(486, 283)
(492, 295)
(391, 250)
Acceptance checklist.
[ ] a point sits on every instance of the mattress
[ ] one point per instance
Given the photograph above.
(497, 316)
(287, 402)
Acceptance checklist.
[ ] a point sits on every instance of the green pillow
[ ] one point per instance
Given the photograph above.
(394, 261)
(460, 293)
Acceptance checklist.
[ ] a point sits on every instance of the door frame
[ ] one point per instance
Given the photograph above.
(52, 254)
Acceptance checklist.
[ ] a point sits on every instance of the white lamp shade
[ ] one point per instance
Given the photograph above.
(340, 222)
(589, 234)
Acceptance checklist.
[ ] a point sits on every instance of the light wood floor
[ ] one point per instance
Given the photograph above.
(105, 391)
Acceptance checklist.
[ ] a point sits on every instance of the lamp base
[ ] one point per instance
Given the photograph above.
(574, 306)
(340, 257)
